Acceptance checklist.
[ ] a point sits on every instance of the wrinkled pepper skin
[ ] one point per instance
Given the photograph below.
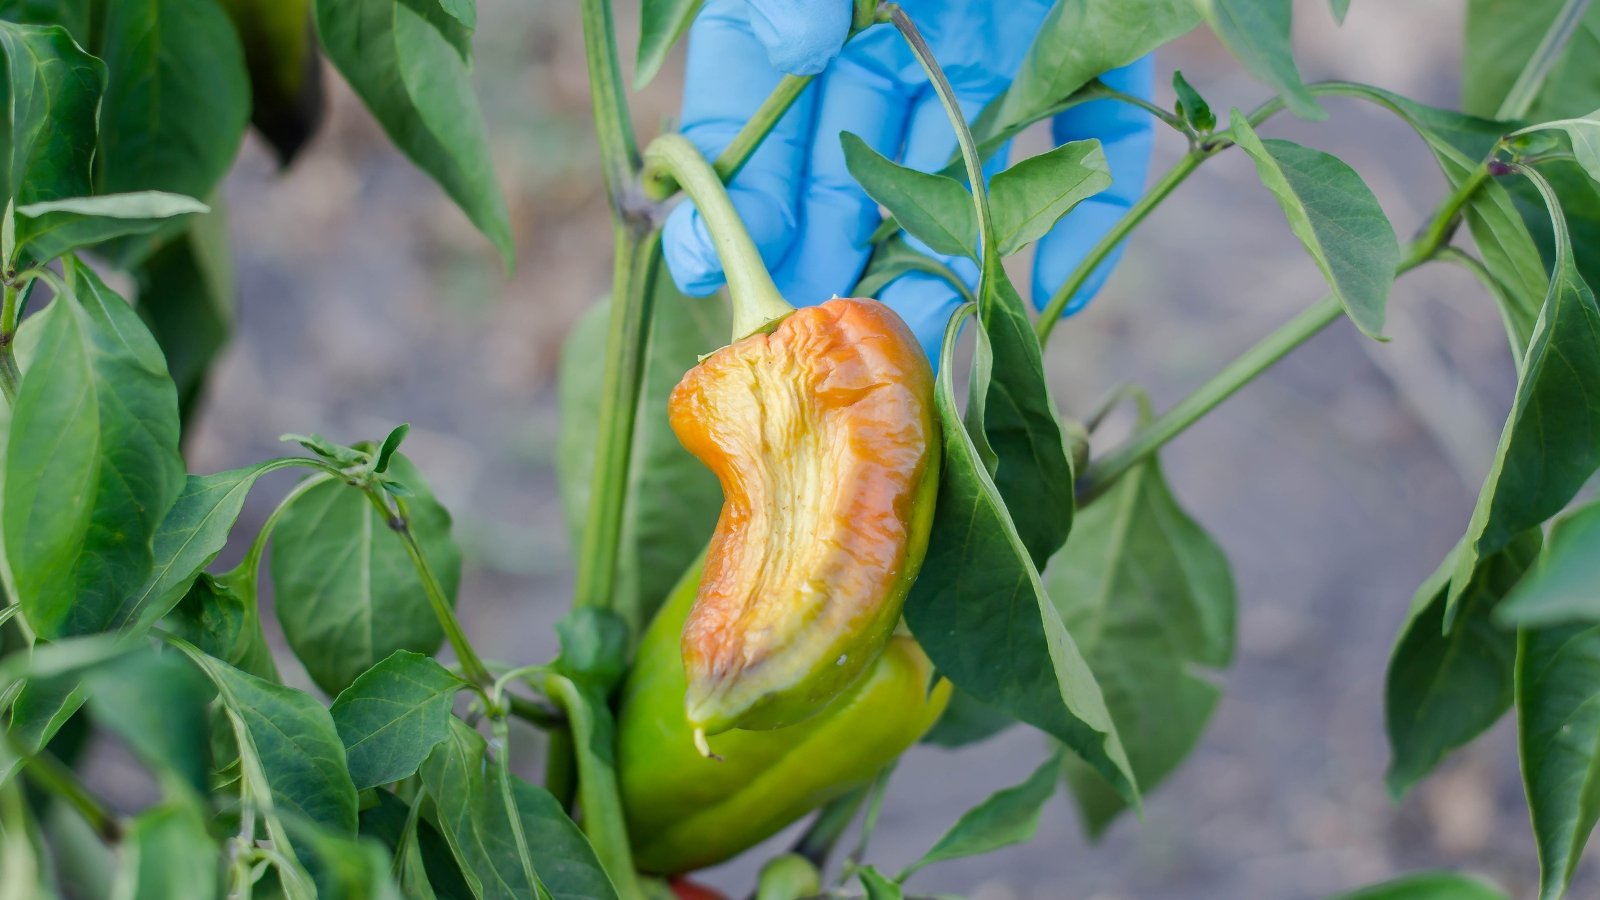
(686, 812)
(823, 434)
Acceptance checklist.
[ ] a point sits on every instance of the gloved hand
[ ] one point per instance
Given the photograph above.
(805, 212)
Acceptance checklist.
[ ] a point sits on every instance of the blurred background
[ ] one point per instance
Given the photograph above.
(1335, 483)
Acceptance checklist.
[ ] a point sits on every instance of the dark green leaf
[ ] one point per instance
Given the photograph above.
(1258, 33)
(1335, 215)
(1030, 197)
(341, 866)
(390, 445)
(44, 705)
(92, 461)
(463, 11)
(474, 818)
(1006, 817)
(52, 92)
(1149, 596)
(218, 615)
(562, 855)
(404, 59)
(1551, 442)
(393, 716)
(966, 720)
(661, 24)
(72, 15)
(877, 886)
(292, 738)
(1558, 731)
(1502, 35)
(673, 499)
(186, 295)
(177, 99)
(594, 646)
(52, 228)
(1077, 42)
(348, 594)
(980, 611)
(1446, 686)
(1191, 106)
(427, 870)
(168, 853)
(932, 208)
(157, 704)
(1428, 886)
(1565, 585)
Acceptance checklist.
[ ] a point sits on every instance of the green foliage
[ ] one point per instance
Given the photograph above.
(661, 24)
(393, 715)
(1257, 31)
(1564, 586)
(52, 91)
(1558, 733)
(1006, 817)
(1428, 886)
(932, 208)
(1030, 197)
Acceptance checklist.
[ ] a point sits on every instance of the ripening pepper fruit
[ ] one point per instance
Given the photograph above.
(686, 811)
(280, 52)
(823, 435)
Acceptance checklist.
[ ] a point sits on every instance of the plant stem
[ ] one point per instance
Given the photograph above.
(759, 125)
(599, 798)
(634, 269)
(1108, 243)
(400, 522)
(830, 825)
(619, 149)
(10, 375)
(534, 712)
(756, 301)
(48, 773)
(1104, 472)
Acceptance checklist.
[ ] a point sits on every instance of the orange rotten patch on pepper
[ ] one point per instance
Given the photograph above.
(823, 434)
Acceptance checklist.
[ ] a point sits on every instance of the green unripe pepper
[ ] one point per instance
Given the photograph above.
(686, 811)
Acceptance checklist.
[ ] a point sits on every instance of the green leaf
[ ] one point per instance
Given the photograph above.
(1077, 42)
(404, 59)
(1335, 216)
(594, 646)
(341, 866)
(53, 228)
(92, 462)
(393, 716)
(980, 611)
(463, 11)
(673, 499)
(661, 24)
(72, 15)
(169, 853)
(932, 208)
(39, 711)
(348, 594)
(186, 295)
(1006, 817)
(1584, 133)
(218, 615)
(1428, 886)
(1558, 732)
(291, 737)
(157, 704)
(177, 100)
(1258, 33)
(1564, 586)
(893, 257)
(1149, 596)
(1551, 441)
(1502, 35)
(1447, 685)
(1341, 8)
(52, 91)
(1191, 106)
(562, 855)
(877, 886)
(475, 820)
(1030, 197)
(380, 462)
(427, 870)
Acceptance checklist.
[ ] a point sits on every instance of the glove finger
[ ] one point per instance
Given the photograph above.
(1126, 132)
(726, 79)
(835, 217)
(801, 36)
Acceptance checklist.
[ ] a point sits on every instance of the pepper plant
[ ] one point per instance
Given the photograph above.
(1063, 587)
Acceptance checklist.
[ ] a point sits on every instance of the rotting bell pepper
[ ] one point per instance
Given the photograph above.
(686, 811)
(823, 435)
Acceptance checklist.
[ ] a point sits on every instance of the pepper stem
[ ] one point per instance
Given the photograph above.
(757, 305)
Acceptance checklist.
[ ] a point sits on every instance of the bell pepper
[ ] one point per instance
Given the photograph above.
(823, 435)
(686, 811)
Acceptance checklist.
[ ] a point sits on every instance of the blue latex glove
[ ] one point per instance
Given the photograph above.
(807, 215)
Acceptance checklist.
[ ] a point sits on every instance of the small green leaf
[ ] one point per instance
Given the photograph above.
(594, 646)
(1428, 886)
(1258, 33)
(1447, 685)
(1558, 733)
(92, 461)
(979, 610)
(877, 886)
(661, 24)
(52, 93)
(1030, 197)
(404, 59)
(1564, 587)
(348, 594)
(932, 208)
(1191, 106)
(390, 445)
(56, 227)
(291, 737)
(1150, 598)
(1006, 817)
(168, 852)
(1584, 133)
(393, 715)
(1335, 216)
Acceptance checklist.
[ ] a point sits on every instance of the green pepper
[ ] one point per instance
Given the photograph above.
(686, 811)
